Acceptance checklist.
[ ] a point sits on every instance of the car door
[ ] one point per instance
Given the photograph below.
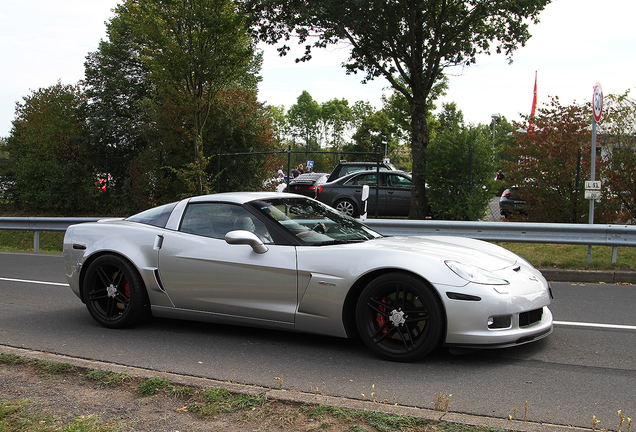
(369, 179)
(396, 199)
(200, 271)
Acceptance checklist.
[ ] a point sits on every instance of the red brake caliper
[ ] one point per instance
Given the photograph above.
(127, 289)
(380, 319)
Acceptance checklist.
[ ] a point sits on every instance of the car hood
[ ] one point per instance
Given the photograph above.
(482, 254)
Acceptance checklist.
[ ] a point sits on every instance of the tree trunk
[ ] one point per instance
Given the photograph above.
(419, 142)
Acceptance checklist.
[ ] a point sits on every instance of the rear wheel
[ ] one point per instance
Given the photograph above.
(114, 292)
(399, 317)
(347, 207)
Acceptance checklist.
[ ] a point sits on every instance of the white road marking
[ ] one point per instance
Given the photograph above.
(570, 323)
(596, 325)
(34, 282)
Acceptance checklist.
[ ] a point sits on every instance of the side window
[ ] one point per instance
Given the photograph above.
(400, 182)
(217, 219)
(368, 179)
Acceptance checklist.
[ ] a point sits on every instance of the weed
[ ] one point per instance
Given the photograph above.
(319, 411)
(11, 359)
(220, 400)
(153, 386)
(442, 401)
(182, 391)
(108, 378)
(55, 367)
(280, 382)
(216, 395)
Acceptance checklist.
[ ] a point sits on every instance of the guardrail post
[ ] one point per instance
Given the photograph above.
(36, 241)
(614, 254)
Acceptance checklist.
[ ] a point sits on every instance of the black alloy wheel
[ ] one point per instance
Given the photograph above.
(399, 317)
(114, 292)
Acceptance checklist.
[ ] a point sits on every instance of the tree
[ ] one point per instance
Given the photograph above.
(551, 162)
(408, 42)
(193, 49)
(117, 92)
(51, 172)
(304, 118)
(336, 117)
(460, 168)
(617, 136)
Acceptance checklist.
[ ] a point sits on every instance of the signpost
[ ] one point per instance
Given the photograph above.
(593, 187)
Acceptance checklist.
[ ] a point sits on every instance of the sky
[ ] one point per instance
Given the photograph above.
(577, 44)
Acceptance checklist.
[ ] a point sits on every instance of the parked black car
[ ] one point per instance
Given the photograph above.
(345, 168)
(511, 202)
(345, 193)
(306, 184)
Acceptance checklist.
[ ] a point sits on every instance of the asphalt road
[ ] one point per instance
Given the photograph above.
(586, 367)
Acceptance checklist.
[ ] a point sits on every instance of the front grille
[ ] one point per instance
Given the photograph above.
(528, 318)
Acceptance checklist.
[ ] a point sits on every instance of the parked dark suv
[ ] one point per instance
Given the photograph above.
(344, 168)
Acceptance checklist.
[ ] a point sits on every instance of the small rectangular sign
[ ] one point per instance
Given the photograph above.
(593, 194)
(593, 185)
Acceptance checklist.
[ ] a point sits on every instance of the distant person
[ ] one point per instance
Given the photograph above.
(295, 172)
(500, 175)
(300, 169)
(281, 173)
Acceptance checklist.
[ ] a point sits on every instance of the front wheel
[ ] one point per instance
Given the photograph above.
(399, 317)
(114, 292)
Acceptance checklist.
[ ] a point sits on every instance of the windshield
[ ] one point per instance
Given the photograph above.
(314, 223)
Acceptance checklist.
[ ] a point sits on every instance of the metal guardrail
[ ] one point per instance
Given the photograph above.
(515, 232)
(37, 224)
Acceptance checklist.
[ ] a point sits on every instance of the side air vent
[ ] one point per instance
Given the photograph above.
(460, 296)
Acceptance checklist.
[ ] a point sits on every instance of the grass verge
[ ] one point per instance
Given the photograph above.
(208, 407)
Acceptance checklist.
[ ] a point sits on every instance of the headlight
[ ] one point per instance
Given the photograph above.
(475, 274)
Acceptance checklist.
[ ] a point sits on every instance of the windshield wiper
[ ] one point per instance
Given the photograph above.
(333, 242)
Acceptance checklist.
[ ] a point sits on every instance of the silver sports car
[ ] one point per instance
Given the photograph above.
(288, 262)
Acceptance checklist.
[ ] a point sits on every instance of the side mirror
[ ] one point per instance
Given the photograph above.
(240, 237)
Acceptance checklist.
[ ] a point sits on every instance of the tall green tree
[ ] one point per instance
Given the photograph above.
(408, 42)
(45, 147)
(336, 117)
(117, 92)
(304, 121)
(460, 168)
(193, 49)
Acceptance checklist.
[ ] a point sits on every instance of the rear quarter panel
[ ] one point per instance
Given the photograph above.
(132, 241)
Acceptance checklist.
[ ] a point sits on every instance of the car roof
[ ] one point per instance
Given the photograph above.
(240, 197)
(373, 171)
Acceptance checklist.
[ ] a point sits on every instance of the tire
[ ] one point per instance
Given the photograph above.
(399, 317)
(114, 293)
(347, 207)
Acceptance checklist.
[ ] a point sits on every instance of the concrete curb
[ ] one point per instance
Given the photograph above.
(589, 276)
(298, 397)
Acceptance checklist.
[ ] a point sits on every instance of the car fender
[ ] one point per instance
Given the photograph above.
(134, 242)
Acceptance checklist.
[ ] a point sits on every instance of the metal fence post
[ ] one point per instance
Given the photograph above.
(36, 241)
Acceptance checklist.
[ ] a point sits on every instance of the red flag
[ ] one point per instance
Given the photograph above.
(534, 105)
